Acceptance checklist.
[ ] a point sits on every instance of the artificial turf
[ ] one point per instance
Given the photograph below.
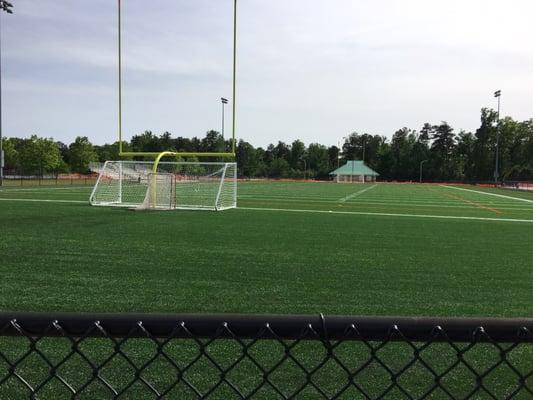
(289, 248)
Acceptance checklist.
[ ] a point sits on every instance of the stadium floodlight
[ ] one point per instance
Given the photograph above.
(4, 6)
(224, 102)
(175, 185)
(497, 94)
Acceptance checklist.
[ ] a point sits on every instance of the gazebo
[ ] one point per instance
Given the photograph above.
(354, 172)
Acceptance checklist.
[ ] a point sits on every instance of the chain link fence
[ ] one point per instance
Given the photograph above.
(78, 356)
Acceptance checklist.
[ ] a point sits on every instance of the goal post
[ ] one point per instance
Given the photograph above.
(166, 185)
(161, 192)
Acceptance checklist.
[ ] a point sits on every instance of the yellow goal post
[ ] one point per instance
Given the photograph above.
(159, 155)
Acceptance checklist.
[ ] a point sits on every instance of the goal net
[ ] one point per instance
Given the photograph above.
(175, 185)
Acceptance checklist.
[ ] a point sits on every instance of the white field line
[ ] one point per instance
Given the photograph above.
(488, 193)
(296, 201)
(388, 214)
(316, 211)
(353, 195)
(46, 201)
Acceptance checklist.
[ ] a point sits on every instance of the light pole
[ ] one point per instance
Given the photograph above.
(4, 6)
(224, 102)
(421, 165)
(351, 161)
(497, 94)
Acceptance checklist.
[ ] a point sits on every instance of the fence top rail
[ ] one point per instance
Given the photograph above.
(242, 326)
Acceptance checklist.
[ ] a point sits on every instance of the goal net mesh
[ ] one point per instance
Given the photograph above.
(175, 185)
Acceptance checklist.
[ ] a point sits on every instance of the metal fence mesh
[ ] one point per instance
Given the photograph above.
(239, 358)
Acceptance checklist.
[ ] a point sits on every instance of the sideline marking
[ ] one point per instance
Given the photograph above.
(388, 214)
(317, 212)
(488, 193)
(351, 196)
(46, 201)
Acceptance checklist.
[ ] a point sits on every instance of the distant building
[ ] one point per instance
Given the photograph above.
(354, 172)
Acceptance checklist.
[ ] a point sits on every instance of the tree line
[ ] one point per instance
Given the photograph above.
(445, 154)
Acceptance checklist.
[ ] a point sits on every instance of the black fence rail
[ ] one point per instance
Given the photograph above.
(50, 180)
(100, 356)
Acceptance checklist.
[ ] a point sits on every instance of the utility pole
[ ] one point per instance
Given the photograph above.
(4, 6)
(497, 94)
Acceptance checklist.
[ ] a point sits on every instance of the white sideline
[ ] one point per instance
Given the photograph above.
(351, 196)
(388, 214)
(488, 193)
(317, 212)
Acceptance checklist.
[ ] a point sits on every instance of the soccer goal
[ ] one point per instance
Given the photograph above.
(175, 185)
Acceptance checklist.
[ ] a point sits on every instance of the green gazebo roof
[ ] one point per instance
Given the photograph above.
(354, 168)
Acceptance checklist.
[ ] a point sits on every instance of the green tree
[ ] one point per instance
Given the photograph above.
(146, 142)
(109, 152)
(402, 144)
(464, 154)
(12, 158)
(81, 153)
(213, 142)
(279, 168)
(442, 151)
(39, 156)
(247, 160)
(485, 145)
(333, 157)
(297, 155)
(281, 150)
(318, 161)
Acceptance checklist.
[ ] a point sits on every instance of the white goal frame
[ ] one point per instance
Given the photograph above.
(179, 185)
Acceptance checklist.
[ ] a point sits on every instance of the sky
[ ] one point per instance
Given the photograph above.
(314, 70)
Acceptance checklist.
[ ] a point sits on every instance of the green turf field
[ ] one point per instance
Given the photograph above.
(385, 249)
